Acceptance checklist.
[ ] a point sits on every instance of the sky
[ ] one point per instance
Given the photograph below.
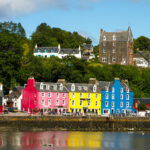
(86, 17)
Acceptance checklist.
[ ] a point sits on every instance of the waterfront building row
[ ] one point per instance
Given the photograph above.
(95, 97)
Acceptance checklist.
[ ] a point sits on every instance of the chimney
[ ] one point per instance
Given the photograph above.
(1, 87)
(92, 81)
(101, 31)
(31, 81)
(61, 81)
(36, 46)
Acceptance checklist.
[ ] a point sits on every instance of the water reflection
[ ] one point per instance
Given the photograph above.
(70, 140)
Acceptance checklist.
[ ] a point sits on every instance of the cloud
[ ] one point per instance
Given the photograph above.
(11, 8)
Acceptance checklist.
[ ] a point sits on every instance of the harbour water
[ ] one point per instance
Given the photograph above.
(74, 140)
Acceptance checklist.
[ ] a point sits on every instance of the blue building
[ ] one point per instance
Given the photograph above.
(116, 97)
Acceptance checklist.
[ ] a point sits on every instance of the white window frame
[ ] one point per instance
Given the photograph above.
(73, 102)
(121, 96)
(49, 94)
(106, 96)
(43, 94)
(81, 95)
(47, 87)
(106, 104)
(113, 89)
(80, 102)
(121, 104)
(121, 90)
(104, 50)
(57, 102)
(49, 101)
(64, 95)
(112, 104)
(104, 38)
(96, 103)
(104, 59)
(73, 95)
(72, 87)
(127, 96)
(96, 95)
(43, 101)
(114, 51)
(127, 104)
(89, 95)
(63, 102)
(113, 96)
(57, 95)
(89, 102)
(113, 59)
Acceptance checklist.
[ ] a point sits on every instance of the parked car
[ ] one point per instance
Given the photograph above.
(5, 111)
(12, 109)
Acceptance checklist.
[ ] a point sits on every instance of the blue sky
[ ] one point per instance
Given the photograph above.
(84, 16)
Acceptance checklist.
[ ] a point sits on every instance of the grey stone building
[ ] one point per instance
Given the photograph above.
(116, 47)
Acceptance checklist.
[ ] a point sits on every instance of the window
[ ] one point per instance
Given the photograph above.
(104, 50)
(80, 102)
(96, 95)
(72, 87)
(57, 102)
(45, 51)
(104, 43)
(127, 89)
(114, 50)
(89, 95)
(113, 59)
(96, 103)
(49, 94)
(106, 96)
(121, 90)
(49, 102)
(130, 51)
(127, 104)
(79, 88)
(57, 95)
(112, 104)
(130, 59)
(127, 96)
(63, 94)
(80, 95)
(104, 38)
(121, 96)
(61, 87)
(104, 59)
(63, 102)
(73, 102)
(73, 95)
(43, 101)
(35, 102)
(118, 111)
(124, 60)
(114, 37)
(43, 94)
(114, 44)
(89, 103)
(34, 94)
(113, 97)
(106, 104)
(85, 88)
(41, 86)
(113, 89)
(55, 87)
(94, 88)
(39, 51)
(121, 104)
(106, 88)
(47, 87)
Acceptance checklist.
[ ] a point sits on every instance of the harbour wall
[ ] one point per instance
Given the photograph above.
(86, 123)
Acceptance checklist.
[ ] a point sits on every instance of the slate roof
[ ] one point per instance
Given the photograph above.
(144, 54)
(51, 87)
(83, 87)
(16, 92)
(46, 49)
(106, 84)
(142, 100)
(69, 51)
(87, 46)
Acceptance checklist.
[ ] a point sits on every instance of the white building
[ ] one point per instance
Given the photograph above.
(141, 59)
(56, 51)
(14, 98)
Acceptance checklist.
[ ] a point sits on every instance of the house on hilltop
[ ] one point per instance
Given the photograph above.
(116, 47)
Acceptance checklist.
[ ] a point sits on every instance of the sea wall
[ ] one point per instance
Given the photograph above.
(34, 123)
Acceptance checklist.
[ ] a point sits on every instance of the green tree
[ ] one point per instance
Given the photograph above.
(141, 106)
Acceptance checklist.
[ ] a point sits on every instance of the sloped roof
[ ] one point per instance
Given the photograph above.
(142, 100)
(144, 54)
(46, 49)
(69, 51)
(87, 46)
(53, 87)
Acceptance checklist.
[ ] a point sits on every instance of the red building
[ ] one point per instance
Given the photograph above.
(1, 98)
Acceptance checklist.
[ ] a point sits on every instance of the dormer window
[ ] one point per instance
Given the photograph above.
(39, 50)
(61, 87)
(55, 87)
(79, 88)
(72, 87)
(45, 51)
(94, 88)
(85, 88)
(41, 86)
(114, 37)
(47, 87)
(127, 89)
(104, 38)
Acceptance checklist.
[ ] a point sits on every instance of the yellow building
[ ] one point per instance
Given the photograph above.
(84, 98)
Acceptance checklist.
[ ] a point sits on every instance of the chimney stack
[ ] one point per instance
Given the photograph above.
(92, 81)
(61, 81)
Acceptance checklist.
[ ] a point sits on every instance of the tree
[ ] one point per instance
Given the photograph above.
(141, 106)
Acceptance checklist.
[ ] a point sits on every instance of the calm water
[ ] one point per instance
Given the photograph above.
(69, 140)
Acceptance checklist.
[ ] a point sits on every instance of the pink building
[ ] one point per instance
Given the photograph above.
(47, 96)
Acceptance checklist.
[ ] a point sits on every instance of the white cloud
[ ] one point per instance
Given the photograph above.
(10, 8)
